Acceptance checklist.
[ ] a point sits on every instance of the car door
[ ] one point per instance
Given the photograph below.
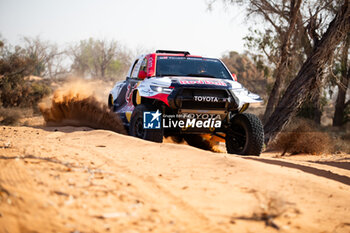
(125, 87)
(134, 79)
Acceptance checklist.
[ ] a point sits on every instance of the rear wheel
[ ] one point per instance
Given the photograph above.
(137, 129)
(246, 135)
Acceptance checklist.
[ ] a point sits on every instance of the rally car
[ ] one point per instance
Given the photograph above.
(174, 93)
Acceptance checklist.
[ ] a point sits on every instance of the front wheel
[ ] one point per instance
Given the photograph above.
(245, 136)
(137, 129)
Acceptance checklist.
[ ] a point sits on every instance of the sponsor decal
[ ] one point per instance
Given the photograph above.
(151, 65)
(151, 120)
(206, 98)
(128, 93)
(203, 82)
(150, 62)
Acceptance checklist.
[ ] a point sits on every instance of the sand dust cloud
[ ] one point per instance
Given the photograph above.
(77, 104)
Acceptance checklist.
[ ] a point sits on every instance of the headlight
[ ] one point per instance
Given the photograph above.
(161, 89)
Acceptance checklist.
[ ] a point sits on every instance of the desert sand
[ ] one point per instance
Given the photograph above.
(76, 179)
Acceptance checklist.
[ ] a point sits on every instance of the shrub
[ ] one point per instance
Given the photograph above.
(23, 94)
(38, 90)
(341, 140)
(10, 116)
(302, 136)
(15, 89)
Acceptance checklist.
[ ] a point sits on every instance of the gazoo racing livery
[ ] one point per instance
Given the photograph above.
(173, 93)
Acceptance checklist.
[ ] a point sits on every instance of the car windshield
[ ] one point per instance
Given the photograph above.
(191, 66)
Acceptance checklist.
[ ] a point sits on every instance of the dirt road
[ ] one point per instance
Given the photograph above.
(71, 179)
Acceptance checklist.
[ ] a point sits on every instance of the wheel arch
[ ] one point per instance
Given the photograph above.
(137, 99)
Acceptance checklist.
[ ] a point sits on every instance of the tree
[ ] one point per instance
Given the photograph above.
(293, 27)
(46, 56)
(266, 8)
(291, 31)
(339, 118)
(98, 58)
(311, 72)
(247, 72)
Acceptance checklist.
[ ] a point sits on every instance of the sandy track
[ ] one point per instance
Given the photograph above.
(70, 179)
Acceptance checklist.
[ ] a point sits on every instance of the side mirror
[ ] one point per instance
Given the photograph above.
(142, 74)
(234, 76)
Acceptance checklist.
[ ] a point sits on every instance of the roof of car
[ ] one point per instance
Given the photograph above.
(174, 53)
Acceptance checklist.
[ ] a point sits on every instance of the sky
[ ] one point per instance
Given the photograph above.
(137, 24)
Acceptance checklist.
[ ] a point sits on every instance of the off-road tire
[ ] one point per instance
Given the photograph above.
(136, 125)
(246, 135)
